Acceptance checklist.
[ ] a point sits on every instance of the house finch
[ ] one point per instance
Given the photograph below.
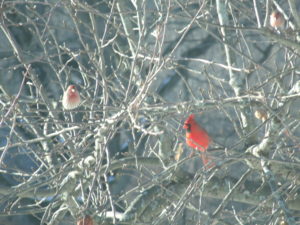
(87, 220)
(276, 20)
(261, 115)
(197, 138)
(71, 98)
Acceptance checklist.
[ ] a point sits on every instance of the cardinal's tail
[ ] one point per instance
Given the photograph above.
(207, 161)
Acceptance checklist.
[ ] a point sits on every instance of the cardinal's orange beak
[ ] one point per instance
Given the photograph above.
(187, 126)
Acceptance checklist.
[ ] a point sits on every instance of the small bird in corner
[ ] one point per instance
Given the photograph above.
(71, 98)
(87, 220)
(276, 20)
(197, 138)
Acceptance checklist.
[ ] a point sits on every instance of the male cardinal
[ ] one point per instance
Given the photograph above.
(276, 19)
(71, 98)
(197, 138)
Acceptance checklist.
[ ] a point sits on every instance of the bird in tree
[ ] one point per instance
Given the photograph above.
(71, 98)
(197, 138)
(87, 220)
(277, 20)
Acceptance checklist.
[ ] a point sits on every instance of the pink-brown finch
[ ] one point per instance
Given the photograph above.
(276, 20)
(87, 220)
(71, 98)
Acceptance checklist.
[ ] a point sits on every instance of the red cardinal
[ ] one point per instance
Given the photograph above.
(71, 98)
(197, 138)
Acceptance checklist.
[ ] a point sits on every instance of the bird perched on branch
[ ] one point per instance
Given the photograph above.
(71, 98)
(276, 20)
(197, 138)
(87, 220)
